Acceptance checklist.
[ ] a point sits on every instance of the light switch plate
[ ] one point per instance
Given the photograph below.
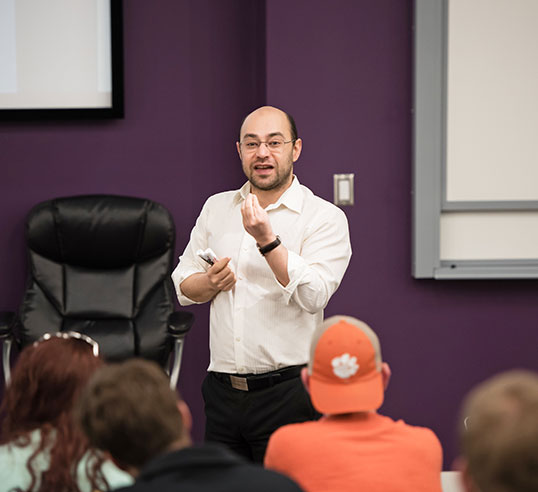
(343, 189)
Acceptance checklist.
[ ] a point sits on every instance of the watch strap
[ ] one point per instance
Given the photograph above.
(269, 247)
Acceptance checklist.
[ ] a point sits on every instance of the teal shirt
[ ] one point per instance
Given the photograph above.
(14, 474)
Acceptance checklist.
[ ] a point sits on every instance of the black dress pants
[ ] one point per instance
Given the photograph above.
(244, 420)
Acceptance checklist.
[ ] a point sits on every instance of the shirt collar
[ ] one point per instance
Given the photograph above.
(292, 198)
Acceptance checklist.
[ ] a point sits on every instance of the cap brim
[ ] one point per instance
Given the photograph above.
(358, 396)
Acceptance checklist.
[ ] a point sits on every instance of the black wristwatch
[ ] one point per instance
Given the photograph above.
(268, 247)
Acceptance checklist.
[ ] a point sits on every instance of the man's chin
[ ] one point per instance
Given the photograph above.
(263, 185)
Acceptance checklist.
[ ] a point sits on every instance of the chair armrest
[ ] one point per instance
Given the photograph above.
(6, 339)
(179, 323)
(6, 322)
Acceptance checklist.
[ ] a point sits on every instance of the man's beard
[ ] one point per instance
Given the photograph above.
(278, 180)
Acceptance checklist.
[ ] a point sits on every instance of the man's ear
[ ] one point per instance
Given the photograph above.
(386, 373)
(305, 378)
(186, 416)
(297, 148)
(238, 146)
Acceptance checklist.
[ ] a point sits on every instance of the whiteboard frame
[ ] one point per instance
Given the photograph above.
(429, 161)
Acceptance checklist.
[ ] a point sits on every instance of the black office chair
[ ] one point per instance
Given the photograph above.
(100, 265)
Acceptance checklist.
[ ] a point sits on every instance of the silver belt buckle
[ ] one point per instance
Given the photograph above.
(239, 383)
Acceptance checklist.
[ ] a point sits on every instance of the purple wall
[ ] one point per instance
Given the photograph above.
(191, 74)
(344, 70)
(193, 69)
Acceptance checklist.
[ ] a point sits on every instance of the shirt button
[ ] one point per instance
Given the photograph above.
(237, 339)
(240, 277)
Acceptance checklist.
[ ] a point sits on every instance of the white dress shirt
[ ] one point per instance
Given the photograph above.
(260, 325)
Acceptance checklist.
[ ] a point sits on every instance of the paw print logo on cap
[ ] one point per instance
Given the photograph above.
(345, 366)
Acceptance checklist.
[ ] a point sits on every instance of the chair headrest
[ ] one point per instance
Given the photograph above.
(100, 231)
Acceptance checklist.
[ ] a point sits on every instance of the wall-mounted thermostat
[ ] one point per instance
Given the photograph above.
(343, 189)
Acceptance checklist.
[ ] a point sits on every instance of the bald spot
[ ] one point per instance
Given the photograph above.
(266, 117)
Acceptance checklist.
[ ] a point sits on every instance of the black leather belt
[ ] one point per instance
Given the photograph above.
(252, 382)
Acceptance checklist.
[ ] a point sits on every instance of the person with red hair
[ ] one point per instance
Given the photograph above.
(42, 447)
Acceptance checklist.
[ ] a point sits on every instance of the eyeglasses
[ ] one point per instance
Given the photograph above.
(71, 334)
(273, 145)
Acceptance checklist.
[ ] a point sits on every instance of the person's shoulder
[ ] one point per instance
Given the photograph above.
(293, 430)
(14, 460)
(267, 480)
(222, 196)
(414, 429)
(223, 200)
(19, 450)
(420, 436)
(288, 438)
(316, 203)
(131, 488)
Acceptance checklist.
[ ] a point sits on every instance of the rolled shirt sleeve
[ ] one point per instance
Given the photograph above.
(189, 262)
(316, 273)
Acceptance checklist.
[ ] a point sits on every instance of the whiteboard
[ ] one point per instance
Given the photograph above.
(492, 100)
(511, 235)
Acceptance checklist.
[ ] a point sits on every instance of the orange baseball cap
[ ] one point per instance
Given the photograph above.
(345, 367)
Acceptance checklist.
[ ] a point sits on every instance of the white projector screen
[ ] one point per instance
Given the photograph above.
(60, 58)
(492, 100)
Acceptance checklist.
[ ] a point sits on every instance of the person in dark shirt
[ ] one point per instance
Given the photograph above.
(129, 410)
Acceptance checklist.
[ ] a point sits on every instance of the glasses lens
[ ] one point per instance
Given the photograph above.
(274, 145)
(250, 145)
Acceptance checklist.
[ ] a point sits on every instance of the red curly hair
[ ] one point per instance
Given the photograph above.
(46, 382)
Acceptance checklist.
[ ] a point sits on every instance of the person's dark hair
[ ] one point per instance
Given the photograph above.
(291, 121)
(293, 128)
(129, 410)
(45, 384)
(500, 439)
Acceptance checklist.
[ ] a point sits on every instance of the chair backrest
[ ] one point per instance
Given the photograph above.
(100, 265)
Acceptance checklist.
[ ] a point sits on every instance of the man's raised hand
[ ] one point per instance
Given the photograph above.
(256, 221)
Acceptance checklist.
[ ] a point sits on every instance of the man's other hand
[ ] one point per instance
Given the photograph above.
(220, 276)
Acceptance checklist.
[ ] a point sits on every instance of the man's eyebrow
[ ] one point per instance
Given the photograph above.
(253, 135)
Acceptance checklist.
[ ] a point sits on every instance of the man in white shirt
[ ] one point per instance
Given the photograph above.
(281, 253)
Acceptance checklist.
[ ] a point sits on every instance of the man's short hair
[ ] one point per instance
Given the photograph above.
(500, 437)
(129, 410)
(293, 127)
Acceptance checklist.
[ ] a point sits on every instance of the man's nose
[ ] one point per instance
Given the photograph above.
(263, 150)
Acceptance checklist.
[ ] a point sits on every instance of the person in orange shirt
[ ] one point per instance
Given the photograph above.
(352, 447)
